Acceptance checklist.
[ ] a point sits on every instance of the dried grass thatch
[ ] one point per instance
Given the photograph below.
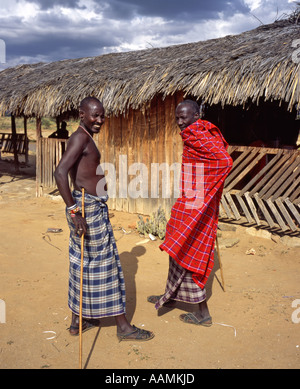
(232, 70)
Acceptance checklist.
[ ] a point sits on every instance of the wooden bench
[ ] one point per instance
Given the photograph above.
(7, 144)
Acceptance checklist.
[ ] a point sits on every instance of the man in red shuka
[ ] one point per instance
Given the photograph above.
(192, 228)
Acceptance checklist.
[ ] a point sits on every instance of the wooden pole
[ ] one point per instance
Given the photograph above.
(81, 287)
(38, 156)
(220, 263)
(26, 140)
(14, 142)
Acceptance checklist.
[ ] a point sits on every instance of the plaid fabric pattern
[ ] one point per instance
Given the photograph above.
(191, 230)
(181, 287)
(103, 281)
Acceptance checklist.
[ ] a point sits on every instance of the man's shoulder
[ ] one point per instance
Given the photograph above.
(77, 134)
(206, 124)
(78, 138)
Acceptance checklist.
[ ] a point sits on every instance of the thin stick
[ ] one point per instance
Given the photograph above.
(220, 263)
(81, 287)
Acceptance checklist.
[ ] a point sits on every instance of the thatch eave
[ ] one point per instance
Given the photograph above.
(254, 65)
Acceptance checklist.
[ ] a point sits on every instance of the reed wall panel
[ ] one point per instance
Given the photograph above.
(263, 187)
(138, 144)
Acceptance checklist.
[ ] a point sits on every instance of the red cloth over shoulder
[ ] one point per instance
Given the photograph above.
(191, 230)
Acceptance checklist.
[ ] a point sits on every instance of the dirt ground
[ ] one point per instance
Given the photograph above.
(254, 324)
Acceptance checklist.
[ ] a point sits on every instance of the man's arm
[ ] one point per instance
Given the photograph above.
(76, 146)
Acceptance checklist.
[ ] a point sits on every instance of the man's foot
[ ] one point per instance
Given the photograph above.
(136, 334)
(87, 324)
(154, 299)
(196, 318)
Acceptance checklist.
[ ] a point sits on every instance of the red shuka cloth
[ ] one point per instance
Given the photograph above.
(192, 228)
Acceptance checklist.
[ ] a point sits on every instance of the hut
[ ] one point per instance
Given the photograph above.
(247, 84)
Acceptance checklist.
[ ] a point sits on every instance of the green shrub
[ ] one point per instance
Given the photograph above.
(156, 225)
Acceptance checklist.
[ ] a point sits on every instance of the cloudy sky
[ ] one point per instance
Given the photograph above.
(44, 30)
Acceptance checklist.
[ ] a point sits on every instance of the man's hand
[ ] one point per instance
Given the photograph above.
(80, 224)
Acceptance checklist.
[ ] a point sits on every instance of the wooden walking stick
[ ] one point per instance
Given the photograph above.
(220, 263)
(81, 286)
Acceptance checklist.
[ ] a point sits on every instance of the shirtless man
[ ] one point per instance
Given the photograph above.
(102, 296)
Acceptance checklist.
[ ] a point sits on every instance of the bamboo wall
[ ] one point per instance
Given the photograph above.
(48, 154)
(263, 187)
(148, 138)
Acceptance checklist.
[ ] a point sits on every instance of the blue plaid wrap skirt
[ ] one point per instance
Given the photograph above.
(103, 279)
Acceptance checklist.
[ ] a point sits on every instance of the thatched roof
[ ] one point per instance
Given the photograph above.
(232, 70)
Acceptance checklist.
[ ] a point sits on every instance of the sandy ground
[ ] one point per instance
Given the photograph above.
(254, 322)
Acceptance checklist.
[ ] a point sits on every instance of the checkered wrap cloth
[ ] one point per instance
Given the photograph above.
(180, 286)
(103, 280)
(192, 228)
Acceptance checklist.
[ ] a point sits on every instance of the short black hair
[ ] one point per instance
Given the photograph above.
(84, 102)
(194, 105)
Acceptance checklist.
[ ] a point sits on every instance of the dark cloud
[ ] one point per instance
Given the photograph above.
(171, 10)
(168, 9)
(49, 4)
(55, 37)
(65, 29)
(56, 47)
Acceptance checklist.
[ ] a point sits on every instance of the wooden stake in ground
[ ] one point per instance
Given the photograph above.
(220, 263)
(81, 287)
